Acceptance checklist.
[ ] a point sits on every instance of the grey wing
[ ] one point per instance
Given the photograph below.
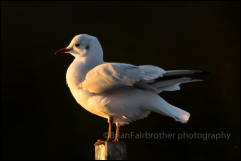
(109, 76)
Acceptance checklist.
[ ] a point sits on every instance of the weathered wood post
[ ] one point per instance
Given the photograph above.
(110, 151)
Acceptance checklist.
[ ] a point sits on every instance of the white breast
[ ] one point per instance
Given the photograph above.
(75, 75)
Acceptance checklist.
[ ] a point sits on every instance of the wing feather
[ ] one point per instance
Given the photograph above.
(109, 76)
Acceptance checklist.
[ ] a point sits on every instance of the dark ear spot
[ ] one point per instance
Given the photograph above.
(87, 47)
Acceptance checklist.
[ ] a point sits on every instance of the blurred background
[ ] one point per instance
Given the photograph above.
(41, 120)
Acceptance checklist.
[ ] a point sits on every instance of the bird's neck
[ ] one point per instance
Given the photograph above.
(78, 69)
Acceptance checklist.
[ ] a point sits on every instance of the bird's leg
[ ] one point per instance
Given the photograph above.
(99, 142)
(110, 127)
(117, 132)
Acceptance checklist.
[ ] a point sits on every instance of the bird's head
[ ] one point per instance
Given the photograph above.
(83, 45)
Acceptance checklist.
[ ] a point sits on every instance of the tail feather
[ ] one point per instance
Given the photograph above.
(170, 81)
(180, 115)
(167, 109)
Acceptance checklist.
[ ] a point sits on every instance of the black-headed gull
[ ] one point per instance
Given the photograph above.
(120, 92)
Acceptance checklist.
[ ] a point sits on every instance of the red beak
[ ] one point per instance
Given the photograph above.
(61, 51)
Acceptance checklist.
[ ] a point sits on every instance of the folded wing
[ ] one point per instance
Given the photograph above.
(109, 76)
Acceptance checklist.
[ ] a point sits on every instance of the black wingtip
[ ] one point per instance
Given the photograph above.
(202, 72)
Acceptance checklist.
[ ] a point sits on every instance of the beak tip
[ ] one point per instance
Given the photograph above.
(61, 51)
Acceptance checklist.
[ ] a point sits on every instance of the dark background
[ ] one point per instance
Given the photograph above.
(41, 120)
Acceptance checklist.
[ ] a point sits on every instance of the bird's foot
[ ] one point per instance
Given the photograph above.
(113, 140)
(99, 142)
(116, 140)
(109, 140)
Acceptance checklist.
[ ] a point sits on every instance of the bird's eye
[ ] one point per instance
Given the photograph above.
(77, 45)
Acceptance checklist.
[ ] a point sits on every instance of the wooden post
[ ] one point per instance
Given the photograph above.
(110, 151)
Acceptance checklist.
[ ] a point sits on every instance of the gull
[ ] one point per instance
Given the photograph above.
(121, 92)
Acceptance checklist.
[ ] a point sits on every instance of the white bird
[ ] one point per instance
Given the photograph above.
(120, 92)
